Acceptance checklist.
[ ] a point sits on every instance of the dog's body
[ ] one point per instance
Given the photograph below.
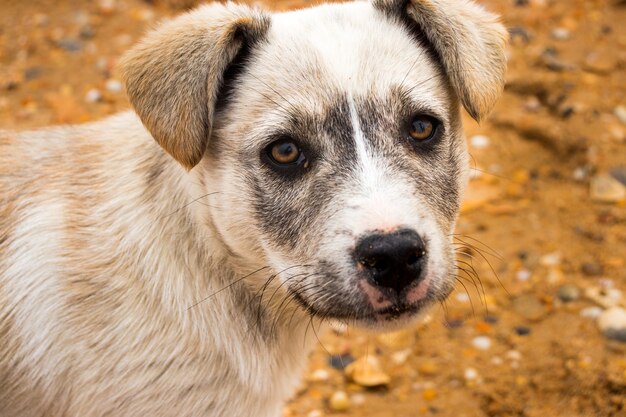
(130, 286)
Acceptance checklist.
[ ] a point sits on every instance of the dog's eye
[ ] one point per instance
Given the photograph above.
(423, 128)
(285, 152)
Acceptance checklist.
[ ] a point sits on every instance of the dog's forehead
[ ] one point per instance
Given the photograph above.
(350, 48)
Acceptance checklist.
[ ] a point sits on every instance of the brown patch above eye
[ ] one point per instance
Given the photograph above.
(421, 128)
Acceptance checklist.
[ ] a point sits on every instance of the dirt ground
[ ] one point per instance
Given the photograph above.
(550, 253)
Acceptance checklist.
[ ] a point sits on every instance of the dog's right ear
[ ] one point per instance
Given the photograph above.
(173, 76)
(468, 40)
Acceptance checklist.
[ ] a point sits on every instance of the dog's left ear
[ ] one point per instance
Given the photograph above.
(174, 75)
(468, 40)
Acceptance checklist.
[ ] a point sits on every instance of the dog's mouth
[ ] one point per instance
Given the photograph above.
(399, 311)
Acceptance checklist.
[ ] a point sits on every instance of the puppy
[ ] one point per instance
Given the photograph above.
(279, 171)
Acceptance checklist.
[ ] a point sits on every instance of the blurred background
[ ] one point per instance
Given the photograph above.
(536, 326)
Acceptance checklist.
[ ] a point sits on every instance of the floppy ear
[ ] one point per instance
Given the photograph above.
(173, 76)
(469, 42)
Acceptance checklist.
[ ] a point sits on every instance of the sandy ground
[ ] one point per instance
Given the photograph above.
(549, 254)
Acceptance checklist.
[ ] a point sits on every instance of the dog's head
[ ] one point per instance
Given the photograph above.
(329, 138)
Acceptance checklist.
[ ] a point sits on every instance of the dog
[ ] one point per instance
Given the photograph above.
(279, 171)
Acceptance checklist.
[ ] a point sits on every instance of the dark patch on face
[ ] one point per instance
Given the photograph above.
(288, 207)
(435, 167)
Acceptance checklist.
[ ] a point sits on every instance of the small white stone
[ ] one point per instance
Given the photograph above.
(514, 355)
(106, 6)
(620, 113)
(93, 96)
(315, 413)
(604, 296)
(523, 275)
(561, 34)
(113, 86)
(339, 401)
(479, 142)
(401, 356)
(481, 342)
(613, 320)
(497, 361)
(591, 312)
(462, 297)
(470, 374)
(551, 259)
(580, 174)
(319, 375)
(357, 399)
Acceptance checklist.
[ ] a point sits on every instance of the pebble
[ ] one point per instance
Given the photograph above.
(32, 73)
(529, 307)
(523, 275)
(591, 312)
(401, 356)
(551, 259)
(340, 361)
(462, 297)
(454, 323)
(533, 104)
(605, 188)
(601, 63)
(620, 113)
(561, 34)
(592, 269)
(480, 142)
(319, 375)
(551, 62)
(429, 394)
(428, 368)
(603, 296)
(367, 372)
(470, 374)
(93, 96)
(68, 44)
(397, 340)
(357, 399)
(612, 323)
(619, 174)
(520, 33)
(497, 361)
(514, 355)
(567, 293)
(580, 174)
(114, 86)
(481, 342)
(522, 330)
(339, 401)
(491, 319)
(106, 6)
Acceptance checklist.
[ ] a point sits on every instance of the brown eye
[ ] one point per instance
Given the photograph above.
(422, 128)
(285, 152)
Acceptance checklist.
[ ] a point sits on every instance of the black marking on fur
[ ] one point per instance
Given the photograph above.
(288, 207)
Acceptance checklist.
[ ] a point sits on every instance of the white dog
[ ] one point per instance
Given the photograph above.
(283, 170)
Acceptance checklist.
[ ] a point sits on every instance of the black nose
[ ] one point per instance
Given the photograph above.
(392, 260)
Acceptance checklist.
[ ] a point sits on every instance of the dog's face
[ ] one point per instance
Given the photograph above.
(332, 146)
